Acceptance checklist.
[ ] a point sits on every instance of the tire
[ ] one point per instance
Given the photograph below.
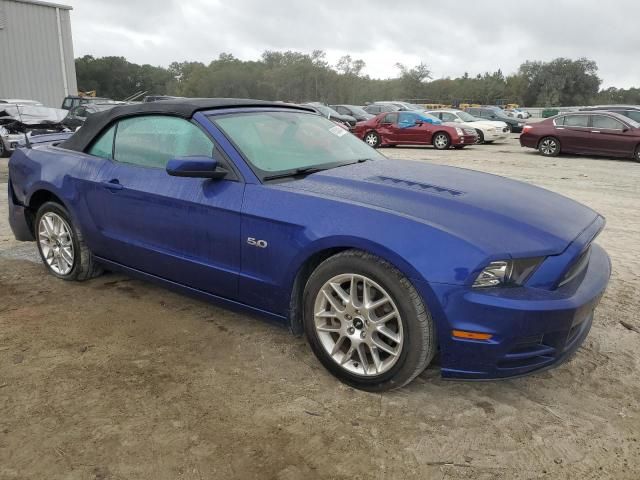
(549, 147)
(636, 157)
(3, 150)
(372, 139)
(509, 128)
(459, 147)
(441, 141)
(409, 322)
(480, 139)
(53, 227)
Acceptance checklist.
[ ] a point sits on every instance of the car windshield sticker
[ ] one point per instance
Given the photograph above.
(338, 131)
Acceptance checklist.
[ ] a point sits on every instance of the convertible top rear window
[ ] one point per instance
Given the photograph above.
(276, 142)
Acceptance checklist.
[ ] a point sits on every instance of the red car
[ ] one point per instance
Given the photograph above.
(590, 133)
(413, 128)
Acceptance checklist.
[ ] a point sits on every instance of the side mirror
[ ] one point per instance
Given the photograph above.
(195, 167)
(625, 129)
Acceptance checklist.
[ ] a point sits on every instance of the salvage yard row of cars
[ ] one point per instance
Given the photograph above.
(603, 130)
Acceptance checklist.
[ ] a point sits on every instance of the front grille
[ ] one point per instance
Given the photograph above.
(577, 268)
(529, 353)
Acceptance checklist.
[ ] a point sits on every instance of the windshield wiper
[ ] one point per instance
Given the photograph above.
(294, 173)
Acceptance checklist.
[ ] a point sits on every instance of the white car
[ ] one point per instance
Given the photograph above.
(488, 130)
(517, 113)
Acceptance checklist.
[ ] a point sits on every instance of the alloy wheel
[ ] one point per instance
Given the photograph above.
(358, 324)
(441, 141)
(548, 146)
(371, 139)
(56, 243)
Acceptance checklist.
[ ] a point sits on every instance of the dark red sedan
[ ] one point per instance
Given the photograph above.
(589, 133)
(413, 128)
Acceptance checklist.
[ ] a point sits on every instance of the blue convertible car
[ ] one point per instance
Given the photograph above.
(271, 208)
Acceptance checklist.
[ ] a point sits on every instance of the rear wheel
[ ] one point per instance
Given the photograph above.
(372, 139)
(441, 141)
(366, 322)
(549, 147)
(62, 246)
(637, 155)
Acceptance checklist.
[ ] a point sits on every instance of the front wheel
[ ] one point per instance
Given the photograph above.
(366, 322)
(480, 138)
(372, 139)
(636, 157)
(549, 147)
(62, 246)
(441, 141)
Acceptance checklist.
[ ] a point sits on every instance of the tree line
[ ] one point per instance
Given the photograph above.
(301, 77)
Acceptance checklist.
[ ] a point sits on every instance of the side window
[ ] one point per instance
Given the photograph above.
(633, 115)
(576, 121)
(448, 117)
(80, 112)
(558, 122)
(103, 146)
(607, 123)
(342, 110)
(68, 102)
(151, 141)
(390, 118)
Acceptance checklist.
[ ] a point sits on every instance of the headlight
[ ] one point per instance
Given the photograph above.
(507, 272)
(459, 131)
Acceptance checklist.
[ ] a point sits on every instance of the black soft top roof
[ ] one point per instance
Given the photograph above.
(184, 108)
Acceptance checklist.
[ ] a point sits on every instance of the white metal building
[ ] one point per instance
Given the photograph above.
(36, 52)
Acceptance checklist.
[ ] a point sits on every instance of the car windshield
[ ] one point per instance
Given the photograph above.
(466, 117)
(358, 110)
(324, 110)
(290, 142)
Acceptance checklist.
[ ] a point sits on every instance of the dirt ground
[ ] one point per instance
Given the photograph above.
(119, 379)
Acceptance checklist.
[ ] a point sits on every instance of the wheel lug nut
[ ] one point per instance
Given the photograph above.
(363, 334)
(347, 316)
(351, 330)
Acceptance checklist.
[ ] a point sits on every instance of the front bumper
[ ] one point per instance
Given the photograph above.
(11, 141)
(532, 328)
(464, 140)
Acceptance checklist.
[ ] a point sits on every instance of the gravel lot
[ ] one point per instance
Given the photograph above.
(120, 379)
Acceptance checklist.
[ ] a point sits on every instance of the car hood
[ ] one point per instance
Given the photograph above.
(495, 214)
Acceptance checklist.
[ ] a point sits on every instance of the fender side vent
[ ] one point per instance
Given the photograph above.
(415, 185)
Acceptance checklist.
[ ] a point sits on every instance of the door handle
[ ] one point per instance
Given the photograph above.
(112, 185)
(595, 131)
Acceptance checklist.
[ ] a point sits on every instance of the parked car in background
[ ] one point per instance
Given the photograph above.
(18, 123)
(376, 108)
(72, 101)
(631, 111)
(18, 101)
(272, 209)
(497, 114)
(588, 133)
(78, 115)
(402, 106)
(488, 130)
(517, 113)
(328, 112)
(413, 128)
(353, 111)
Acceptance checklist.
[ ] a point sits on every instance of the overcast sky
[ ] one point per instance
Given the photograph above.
(451, 37)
